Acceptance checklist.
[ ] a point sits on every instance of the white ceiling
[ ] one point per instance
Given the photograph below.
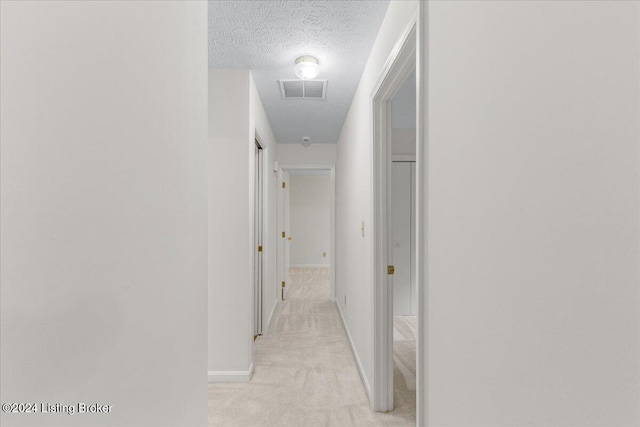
(267, 36)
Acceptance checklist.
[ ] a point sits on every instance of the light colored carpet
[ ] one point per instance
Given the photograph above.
(304, 371)
(404, 348)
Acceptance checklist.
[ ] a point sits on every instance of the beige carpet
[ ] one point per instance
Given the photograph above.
(404, 348)
(304, 371)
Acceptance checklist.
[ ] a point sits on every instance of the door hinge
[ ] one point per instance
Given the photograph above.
(284, 184)
(283, 234)
(282, 291)
(259, 248)
(391, 269)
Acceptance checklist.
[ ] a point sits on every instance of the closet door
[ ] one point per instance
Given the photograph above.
(401, 231)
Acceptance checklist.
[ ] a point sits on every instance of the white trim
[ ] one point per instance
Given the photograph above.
(332, 235)
(367, 388)
(422, 201)
(231, 376)
(267, 194)
(310, 266)
(264, 142)
(407, 34)
(403, 158)
(251, 238)
(400, 63)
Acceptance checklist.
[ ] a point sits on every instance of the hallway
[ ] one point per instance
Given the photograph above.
(304, 370)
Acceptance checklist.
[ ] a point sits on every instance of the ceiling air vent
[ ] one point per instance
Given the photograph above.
(303, 89)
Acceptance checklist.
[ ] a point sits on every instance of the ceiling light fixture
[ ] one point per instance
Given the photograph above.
(306, 67)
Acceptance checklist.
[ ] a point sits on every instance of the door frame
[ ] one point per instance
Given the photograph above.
(332, 208)
(258, 239)
(403, 59)
(282, 273)
(268, 213)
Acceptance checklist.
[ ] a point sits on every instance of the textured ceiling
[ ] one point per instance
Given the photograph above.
(267, 36)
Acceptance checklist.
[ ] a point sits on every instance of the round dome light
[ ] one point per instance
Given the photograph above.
(306, 67)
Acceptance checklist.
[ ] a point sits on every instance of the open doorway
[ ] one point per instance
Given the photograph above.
(306, 216)
(403, 239)
(310, 228)
(258, 231)
(397, 168)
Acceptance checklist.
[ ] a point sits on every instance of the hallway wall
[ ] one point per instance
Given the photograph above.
(354, 285)
(533, 214)
(230, 225)
(261, 129)
(104, 211)
(235, 115)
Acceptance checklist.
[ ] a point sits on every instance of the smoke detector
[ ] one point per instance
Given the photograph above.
(306, 141)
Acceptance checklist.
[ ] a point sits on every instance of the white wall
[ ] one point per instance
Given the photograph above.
(533, 214)
(104, 209)
(230, 224)
(261, 129)
(236, 116)
(315, 154)
(353, 195)
(310, 201)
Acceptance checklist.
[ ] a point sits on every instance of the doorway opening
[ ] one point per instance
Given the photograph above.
(258, 270)
(397, 172)
(402, 236)
(306, 218)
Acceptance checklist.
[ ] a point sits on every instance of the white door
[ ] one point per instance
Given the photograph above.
(287, 231)
(402, 223)
(283, 234)
(258, 240)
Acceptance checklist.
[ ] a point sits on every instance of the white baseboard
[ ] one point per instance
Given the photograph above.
(309, 266)
(273, 310)
(355, 356)
(231, 376)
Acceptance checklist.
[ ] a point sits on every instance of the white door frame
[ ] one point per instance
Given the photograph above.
(401, 62)
(258, 243)
(268, 233)
(422, 201)
(282, 219)
(332, 198)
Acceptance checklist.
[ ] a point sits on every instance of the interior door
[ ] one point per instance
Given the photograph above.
(258, 239)
(283, 233)
(287, 231)
(402, 219)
